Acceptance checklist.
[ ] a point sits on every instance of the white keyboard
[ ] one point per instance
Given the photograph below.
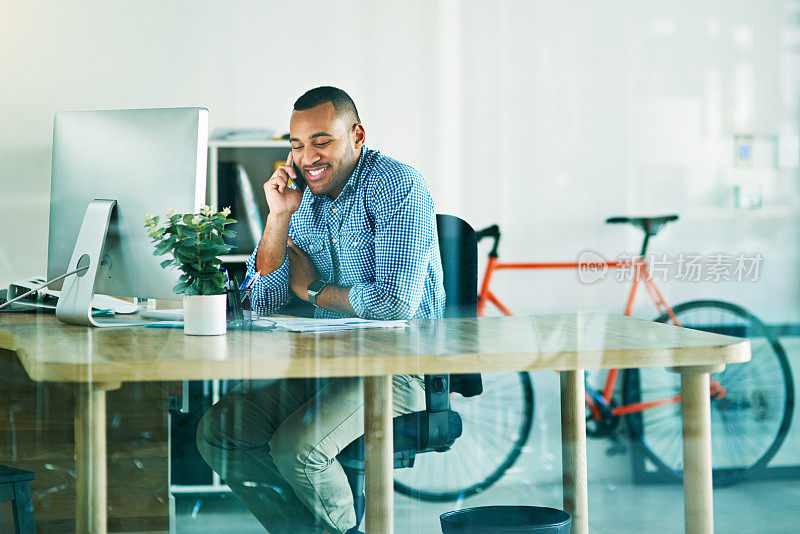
(162, 315)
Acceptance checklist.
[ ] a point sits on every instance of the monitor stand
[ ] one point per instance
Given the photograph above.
(75, 303)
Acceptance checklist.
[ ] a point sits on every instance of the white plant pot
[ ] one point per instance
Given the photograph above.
(205, 315)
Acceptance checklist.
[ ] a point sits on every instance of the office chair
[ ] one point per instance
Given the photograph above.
(436, 428)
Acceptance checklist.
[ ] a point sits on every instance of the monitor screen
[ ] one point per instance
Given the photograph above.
(148, 161)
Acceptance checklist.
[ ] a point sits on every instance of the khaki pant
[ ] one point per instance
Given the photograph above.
(275, 444)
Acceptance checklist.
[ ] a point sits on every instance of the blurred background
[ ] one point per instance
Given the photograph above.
(542, 117)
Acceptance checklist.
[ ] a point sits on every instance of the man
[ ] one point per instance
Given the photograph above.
(359, 241)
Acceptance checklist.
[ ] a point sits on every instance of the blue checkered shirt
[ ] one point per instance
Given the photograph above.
(378, 237)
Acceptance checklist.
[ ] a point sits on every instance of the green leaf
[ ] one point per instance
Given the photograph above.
(187, 218)
(156, 234)
(180, 287)
(229, 233)
(162, 248)
(185, 255)
(210, 288)
(185, 231)
(167, 263)
(208, 254)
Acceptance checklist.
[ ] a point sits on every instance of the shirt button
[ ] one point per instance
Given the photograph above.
(335, 240)
(355, 243)
(335, 210)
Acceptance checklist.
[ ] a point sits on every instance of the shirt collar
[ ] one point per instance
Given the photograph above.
(352, 182)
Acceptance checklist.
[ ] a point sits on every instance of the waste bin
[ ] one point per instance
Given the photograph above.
(506, 519)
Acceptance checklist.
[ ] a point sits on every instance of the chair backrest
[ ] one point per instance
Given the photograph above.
(458, 248)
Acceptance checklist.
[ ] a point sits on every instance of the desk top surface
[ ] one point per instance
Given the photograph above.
(53, 351)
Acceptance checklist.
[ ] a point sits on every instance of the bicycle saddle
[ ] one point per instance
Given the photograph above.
(650, 225)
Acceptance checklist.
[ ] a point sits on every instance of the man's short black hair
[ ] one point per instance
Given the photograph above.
(342, 103)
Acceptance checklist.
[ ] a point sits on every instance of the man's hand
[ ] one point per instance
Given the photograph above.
(301, 271)
(282, 199)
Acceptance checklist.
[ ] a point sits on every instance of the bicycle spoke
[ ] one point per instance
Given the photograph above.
(651, 421)
(728, 441)
(740, 432)
(752, 371)
(675, 447)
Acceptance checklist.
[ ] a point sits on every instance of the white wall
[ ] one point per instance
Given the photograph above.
(545, 117)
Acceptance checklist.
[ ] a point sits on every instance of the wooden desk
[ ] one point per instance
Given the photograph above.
(100, 359)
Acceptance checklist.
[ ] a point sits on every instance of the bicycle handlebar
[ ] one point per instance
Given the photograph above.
(493, 232)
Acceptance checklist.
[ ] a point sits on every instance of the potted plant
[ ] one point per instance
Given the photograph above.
(195, 241)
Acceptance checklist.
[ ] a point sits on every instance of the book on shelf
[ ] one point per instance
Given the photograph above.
(236, 190)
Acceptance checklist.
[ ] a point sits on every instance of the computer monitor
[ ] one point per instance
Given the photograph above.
(110, 168)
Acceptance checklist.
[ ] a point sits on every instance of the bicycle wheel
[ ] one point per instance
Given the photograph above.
(497, 424)
(748, 424)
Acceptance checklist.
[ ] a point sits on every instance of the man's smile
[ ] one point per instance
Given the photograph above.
(314, 174)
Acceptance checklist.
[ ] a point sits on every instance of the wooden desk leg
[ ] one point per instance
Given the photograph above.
(90, 457)
(378, 454)
(573, 449)
(698, 499)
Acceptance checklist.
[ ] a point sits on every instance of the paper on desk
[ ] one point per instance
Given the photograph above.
(298, 324)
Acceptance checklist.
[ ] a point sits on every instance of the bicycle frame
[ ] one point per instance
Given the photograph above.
(641, 275)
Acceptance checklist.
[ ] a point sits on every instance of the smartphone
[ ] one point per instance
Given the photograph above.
(300, 182)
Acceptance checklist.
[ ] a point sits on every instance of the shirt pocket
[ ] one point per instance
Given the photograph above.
(357, 250)
(314, 246)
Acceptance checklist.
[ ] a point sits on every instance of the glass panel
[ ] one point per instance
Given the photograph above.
(311, 346)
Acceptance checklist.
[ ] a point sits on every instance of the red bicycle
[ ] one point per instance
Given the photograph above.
(751, 403)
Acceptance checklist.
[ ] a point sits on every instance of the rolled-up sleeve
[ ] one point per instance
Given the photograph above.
(271, 292)
(405, 240)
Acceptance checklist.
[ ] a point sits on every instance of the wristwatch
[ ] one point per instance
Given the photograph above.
(314, 288)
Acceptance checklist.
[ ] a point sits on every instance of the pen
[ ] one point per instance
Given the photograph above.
(248, 282)
(245, 286)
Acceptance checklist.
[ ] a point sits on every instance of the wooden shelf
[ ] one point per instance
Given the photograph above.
(254, 143)
(234, 258)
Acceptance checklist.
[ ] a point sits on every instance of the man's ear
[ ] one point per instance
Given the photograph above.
(359, 136)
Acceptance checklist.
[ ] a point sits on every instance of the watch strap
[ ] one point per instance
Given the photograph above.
(314, 289)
